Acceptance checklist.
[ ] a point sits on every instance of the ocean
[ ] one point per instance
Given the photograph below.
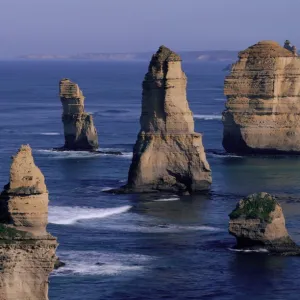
(142, 246)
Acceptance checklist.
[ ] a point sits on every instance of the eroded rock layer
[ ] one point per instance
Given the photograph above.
(79, 130)
(263, 101)
(258, 222)
(168, 154)
(27, 250)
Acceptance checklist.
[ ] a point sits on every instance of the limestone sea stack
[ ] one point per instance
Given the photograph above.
(263, 101)
(80, 132)
(168, 154)
(27, 250)
(258, 222)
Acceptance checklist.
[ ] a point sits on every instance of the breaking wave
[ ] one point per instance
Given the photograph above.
(67, 215)
(167, 199)
(49, 133)
(127, 154)
(69, 154)
(224, 155)
(99, 263)
(107, 188)
(124, 154)
(83, 154)
(261, 250)
(163, 228)
(208, 117)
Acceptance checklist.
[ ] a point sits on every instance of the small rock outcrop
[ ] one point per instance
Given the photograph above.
(263, 94)
(79, 130)
(258, 222)
(288, 46)
(27, 250)
(168, 154)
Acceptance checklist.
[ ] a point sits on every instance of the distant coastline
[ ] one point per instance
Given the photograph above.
(187, 56)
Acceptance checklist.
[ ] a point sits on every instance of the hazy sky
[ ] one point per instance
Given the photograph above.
(74, 26)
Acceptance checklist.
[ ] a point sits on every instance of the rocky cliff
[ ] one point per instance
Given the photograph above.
(258, 222)
(27, 250)
(168, 154)
(79, 130)
(263, 101)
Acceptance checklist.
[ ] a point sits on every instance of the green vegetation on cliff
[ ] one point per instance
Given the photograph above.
(256, 206)
(10, 233)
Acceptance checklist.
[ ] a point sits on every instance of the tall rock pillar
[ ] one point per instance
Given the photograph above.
(27, 250)
(79, 130)
(168, 154)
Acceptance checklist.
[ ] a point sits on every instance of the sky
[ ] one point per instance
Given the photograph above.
(79, 26)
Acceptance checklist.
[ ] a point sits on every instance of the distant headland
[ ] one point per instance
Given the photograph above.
(187, 56)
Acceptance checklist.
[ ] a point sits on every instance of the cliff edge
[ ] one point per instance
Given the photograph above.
(27, 250)
(262, 112)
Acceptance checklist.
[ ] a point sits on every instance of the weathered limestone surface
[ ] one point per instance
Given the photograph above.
(27, 250)
(263, 101)
(168, 154)
(258, 222)
(79, 130)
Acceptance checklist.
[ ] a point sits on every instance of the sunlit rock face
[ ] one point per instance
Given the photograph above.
(79, 130)
(27, 250)
(262, 112)
(258, 223)
(168, 154)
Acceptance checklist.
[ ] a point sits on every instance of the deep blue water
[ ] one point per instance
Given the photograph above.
(146, 247)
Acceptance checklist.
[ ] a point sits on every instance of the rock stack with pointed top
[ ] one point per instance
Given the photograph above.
(263, 101)
(27, 250)
(258, 222)
(168, 154)
(79, 130)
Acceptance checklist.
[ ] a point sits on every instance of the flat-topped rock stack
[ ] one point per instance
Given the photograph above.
(258, 223)
(27, 250)
(80, 132)
(168, 154)
(263, 101)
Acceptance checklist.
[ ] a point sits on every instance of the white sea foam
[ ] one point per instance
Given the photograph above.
(99, 263)
(167, 199)
(261, 250)
(224, 155)
(203, 228)
(208, 117)
(107, 188)
(163, 228)
(110, 149)
(67, 215)
(50, 133)
(125, 154)
(220, 99)
(69, 154)
(85, 154)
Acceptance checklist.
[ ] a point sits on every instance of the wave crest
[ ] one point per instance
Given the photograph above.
(68, 215)
(208, 117)
(260, 250)
(99, 263)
